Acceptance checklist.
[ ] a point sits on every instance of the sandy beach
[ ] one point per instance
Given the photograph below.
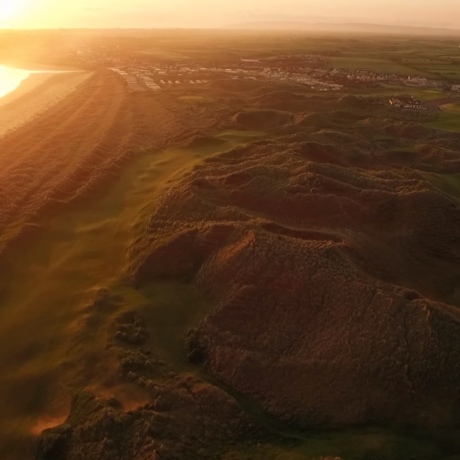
(36, 94)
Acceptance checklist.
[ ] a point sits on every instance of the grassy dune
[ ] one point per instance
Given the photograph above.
(79, 142)
(53, 339)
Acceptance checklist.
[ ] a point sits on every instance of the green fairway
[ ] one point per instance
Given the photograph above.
(448, 119)
(451, 108)
(446, 122)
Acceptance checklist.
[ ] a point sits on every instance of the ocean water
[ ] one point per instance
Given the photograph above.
(11, 78)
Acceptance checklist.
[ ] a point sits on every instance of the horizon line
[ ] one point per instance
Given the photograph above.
(244, 26)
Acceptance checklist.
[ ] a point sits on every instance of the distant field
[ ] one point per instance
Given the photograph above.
(423, 94)
(447, 122)
(445, 70)
(426, 94)
(164, 54)
(377, 65)
(431, 58)
(451, 108)
(217, 55)
(449, 118)
(450, 183)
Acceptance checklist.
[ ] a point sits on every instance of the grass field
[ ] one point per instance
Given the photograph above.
(158, 53)
(448, 119)
(429, 57)
(449, 183)
(446, 122)
(376, 65)
(451, 108)
(446, 70)
(423, 94)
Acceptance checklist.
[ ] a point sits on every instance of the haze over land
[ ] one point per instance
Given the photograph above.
(233, 245)
(206, 13)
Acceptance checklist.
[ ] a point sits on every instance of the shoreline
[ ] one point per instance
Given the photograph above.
(40, 67)
(32, 82)
(34, 95)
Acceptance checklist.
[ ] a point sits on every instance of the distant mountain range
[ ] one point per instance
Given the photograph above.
(343, 27)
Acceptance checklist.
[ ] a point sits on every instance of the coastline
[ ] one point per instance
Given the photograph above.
(38, 66)
(35, 94)
(26, 86)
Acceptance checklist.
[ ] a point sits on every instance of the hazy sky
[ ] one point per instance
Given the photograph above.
(209, 13)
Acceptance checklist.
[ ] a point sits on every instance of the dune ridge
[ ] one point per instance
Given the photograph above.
(318, 269)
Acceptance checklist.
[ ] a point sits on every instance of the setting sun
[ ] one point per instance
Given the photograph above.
(11, 11)
(50, 14)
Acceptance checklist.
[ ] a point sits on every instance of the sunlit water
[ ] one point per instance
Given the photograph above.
(11, 78)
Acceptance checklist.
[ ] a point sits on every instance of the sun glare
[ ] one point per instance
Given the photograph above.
(11, 11)
(10, 79)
